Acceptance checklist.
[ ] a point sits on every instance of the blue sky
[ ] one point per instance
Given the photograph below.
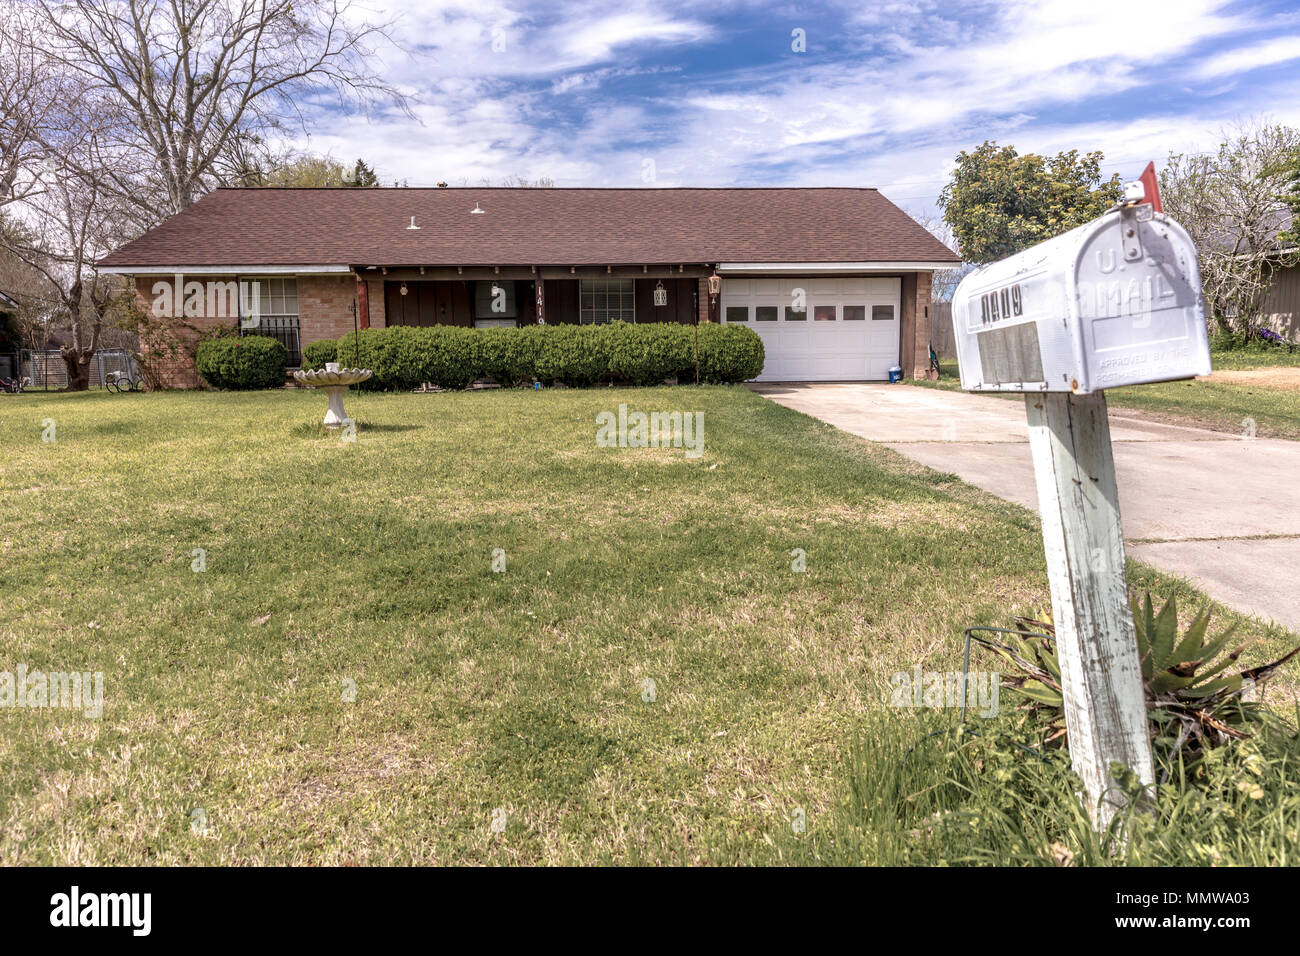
(634, 93)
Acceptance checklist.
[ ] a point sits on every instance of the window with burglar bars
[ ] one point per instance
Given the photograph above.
(277, 301)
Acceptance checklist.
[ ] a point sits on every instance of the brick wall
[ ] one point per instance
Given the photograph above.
(914, 344)
(325, 306)
(167, 342)
(324, 312)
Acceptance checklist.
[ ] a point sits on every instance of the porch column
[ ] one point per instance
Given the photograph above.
(363, 303)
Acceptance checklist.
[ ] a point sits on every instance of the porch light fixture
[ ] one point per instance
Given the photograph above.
(477, 210)
(661, 294)
(715, 284)
(403, 289)
(412, 225)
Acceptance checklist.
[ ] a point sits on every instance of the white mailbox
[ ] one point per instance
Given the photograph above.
(1114, 302)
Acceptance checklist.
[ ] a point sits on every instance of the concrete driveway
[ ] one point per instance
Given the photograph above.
(1213, 507)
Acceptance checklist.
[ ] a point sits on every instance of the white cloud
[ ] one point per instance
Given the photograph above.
(1268, 53)
(596, 40)
(886, 99)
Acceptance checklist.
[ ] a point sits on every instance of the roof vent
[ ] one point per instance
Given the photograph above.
(477, 210)
(412, 225)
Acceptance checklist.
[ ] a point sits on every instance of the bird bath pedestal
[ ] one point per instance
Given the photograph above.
(334, 381)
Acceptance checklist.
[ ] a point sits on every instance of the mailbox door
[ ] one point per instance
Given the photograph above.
(1138, 293)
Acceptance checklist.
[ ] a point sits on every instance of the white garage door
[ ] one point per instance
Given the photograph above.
(817, 330)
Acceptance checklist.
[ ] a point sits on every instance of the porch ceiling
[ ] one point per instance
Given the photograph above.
(646, 271)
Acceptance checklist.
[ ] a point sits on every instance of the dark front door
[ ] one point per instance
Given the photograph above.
(428, 303)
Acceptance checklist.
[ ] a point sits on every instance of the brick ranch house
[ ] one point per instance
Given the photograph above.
(836, 281)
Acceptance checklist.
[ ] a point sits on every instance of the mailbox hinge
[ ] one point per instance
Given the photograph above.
(1128, 230)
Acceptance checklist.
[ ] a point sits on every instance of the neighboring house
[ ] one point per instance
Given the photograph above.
(8, 336)
(835, 281)
(8, 309)
(1281, 311)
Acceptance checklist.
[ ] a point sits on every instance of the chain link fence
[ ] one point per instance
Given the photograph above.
(46, 368)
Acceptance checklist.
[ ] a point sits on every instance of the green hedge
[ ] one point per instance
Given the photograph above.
(579, 356)
(315, 356)
(242, 362)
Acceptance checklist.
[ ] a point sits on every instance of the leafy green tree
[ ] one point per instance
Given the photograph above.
(363, 176)
(308, 170)
(1291, 198)
(999, 202)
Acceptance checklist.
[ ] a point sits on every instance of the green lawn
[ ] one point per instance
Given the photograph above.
(1214, 405)
(1255, 358)
(518, 696)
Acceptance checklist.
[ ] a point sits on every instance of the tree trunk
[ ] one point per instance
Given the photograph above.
(78, 364)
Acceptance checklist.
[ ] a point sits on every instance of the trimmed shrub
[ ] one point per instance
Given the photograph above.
(361, 350)
(450, 356)
(315, 356)
(579, 356)
(648, 354)
(509, 356)
(728, 354)
(242, 362)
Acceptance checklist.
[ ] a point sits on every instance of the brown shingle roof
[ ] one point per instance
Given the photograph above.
(236, 227)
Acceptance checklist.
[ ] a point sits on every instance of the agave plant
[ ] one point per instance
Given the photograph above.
(1194, 700)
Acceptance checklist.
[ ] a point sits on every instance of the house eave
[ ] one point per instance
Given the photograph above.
(816, 268)
(302, 270)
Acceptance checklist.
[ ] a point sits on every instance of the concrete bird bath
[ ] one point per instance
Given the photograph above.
(334, 381)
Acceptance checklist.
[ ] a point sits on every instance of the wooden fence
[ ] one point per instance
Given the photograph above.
(941, 330)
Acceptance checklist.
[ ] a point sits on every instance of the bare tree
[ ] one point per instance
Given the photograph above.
(115, 114)
(193, 84)
(1232, 203)
(945, 280)
(24, 105)
(70, 225)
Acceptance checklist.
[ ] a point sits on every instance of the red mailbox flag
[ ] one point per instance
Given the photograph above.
(1149, 181)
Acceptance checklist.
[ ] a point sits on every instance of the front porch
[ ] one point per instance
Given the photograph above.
(496, 297)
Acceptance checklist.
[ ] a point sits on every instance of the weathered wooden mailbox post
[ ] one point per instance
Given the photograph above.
(1114, 302)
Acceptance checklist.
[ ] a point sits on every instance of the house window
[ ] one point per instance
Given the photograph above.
(277, 303)
(824, 313)
(882, 313)
(765, 313)
(855, 313)
(607, 300)
(737, 313)
(793, 314)
(494, 300)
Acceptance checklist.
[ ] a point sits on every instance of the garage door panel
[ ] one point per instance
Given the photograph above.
(846, 343)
